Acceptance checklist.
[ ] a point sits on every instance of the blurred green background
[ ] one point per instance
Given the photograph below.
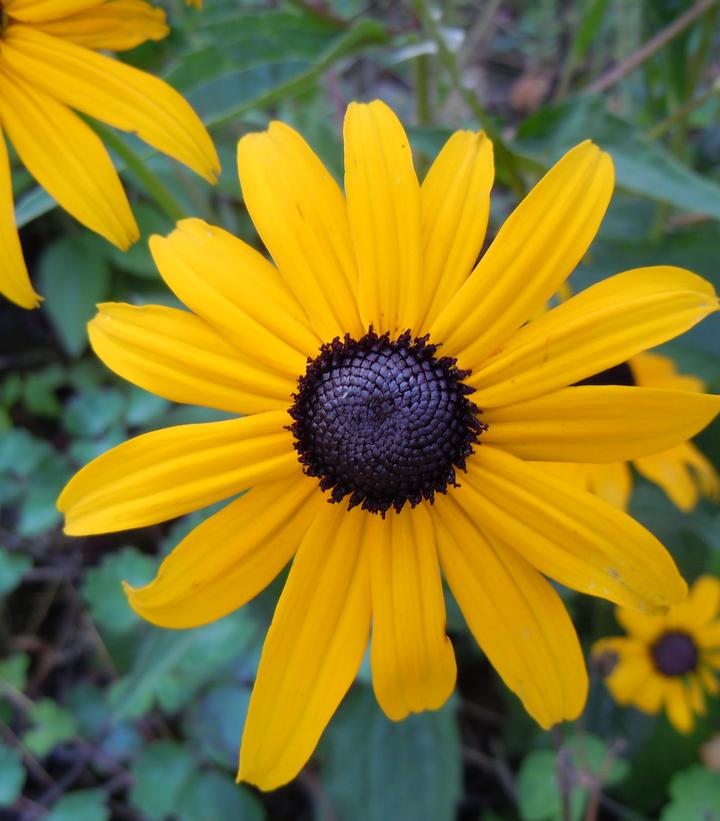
(102, 716)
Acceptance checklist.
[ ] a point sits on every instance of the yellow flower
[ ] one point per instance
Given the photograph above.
(49, 65)
(668, 661)
(681, 471)
(332, 353)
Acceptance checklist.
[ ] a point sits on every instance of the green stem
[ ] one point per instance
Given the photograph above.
(681, 113)
(157, 190)
(502, 152)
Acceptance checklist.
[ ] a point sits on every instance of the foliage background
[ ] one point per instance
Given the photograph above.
(103, 716)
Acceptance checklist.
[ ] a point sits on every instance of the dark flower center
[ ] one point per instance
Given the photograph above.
(383, 421)
(675, 654)
(617, 375)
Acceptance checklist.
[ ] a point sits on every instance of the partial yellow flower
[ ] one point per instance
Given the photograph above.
(50, 65)
(681, 471)
(381, 368)
(669, 660)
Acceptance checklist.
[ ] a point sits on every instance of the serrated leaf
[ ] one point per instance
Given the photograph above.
(82, 805)
(91, 413)
(52, 726)
(13, 566)
(160, 772)
(74, 275)
(216, 723)
(103, 588)
(375, 769)
(208, 796)
(695, 796)
(12, 775)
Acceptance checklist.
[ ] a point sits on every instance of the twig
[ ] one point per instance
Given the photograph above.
(564, 771)
(680, 113)
(678, 25)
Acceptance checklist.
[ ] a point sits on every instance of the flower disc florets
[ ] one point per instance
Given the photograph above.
(383, 421)
(675, 654)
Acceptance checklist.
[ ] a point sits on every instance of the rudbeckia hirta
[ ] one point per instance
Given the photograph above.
(669, 660)
(50, 68)
(681, 471)
(383, 371)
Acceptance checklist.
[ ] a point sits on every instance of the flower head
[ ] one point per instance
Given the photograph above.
(681, 471)
(382, 371)
(668, 660)
(50, 67)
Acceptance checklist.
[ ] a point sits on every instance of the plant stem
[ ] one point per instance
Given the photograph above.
(157, 190)
(682, 112)
(448, 59)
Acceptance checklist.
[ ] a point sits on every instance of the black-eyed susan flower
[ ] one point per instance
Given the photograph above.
(668, 660)
(383, 371)
(50, 68)
(682, 471)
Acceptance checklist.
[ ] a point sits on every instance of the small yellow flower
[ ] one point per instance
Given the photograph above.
(681, 471)
(383, 370)
(668, 661)
(50, 65)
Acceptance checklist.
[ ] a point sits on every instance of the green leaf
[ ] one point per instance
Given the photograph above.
(21, 452)
(103, 588)
(13, 566)
(91, 413)
(13, 671)
(53, 725)
(38, 511)
(216, 723)
(74, 275)
(160, 772)
(375, 769)
(82, 805)
(12, 775)
(695, 796)
(642, 167)
(208, 796)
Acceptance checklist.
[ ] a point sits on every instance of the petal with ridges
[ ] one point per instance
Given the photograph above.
(455, 200)
(600, 327)
(383, 201)
(300, 214)
(313, 649)
(163, 474)
(229, 558)
(652, 370)
(237, 291)
(516, 617)
(683, 473)
(534, 252)
(599, 423)
(177, 355)
(14, 278)
(413, 664)
(114, 93)
(116, 25)
(38, 11)
(67, 158)
(568, 534)
(611, 481)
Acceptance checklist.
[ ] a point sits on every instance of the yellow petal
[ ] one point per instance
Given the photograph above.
(677, 705)
(594, 423)
(229, 558)
(313, 649)
(533, 254)
(642, 626)
(603, 326)
(235, 289)
(300, 214)
(455, 200)
(175, 354)
(610, 481)
(701, 606)
(568, 534)
(116, 25)
(114, 93)
(651, 370)
(649, 698)
(517, 618)
(66, 157)
(383, 200)
(38, 11)
(631, 675)
(163, 474)
(683, 473)
(14, 279)
(413, 664)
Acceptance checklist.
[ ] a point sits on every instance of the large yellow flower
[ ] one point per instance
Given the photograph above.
(49, 65)
(681, 471)
(333, 355)
(668, 660)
